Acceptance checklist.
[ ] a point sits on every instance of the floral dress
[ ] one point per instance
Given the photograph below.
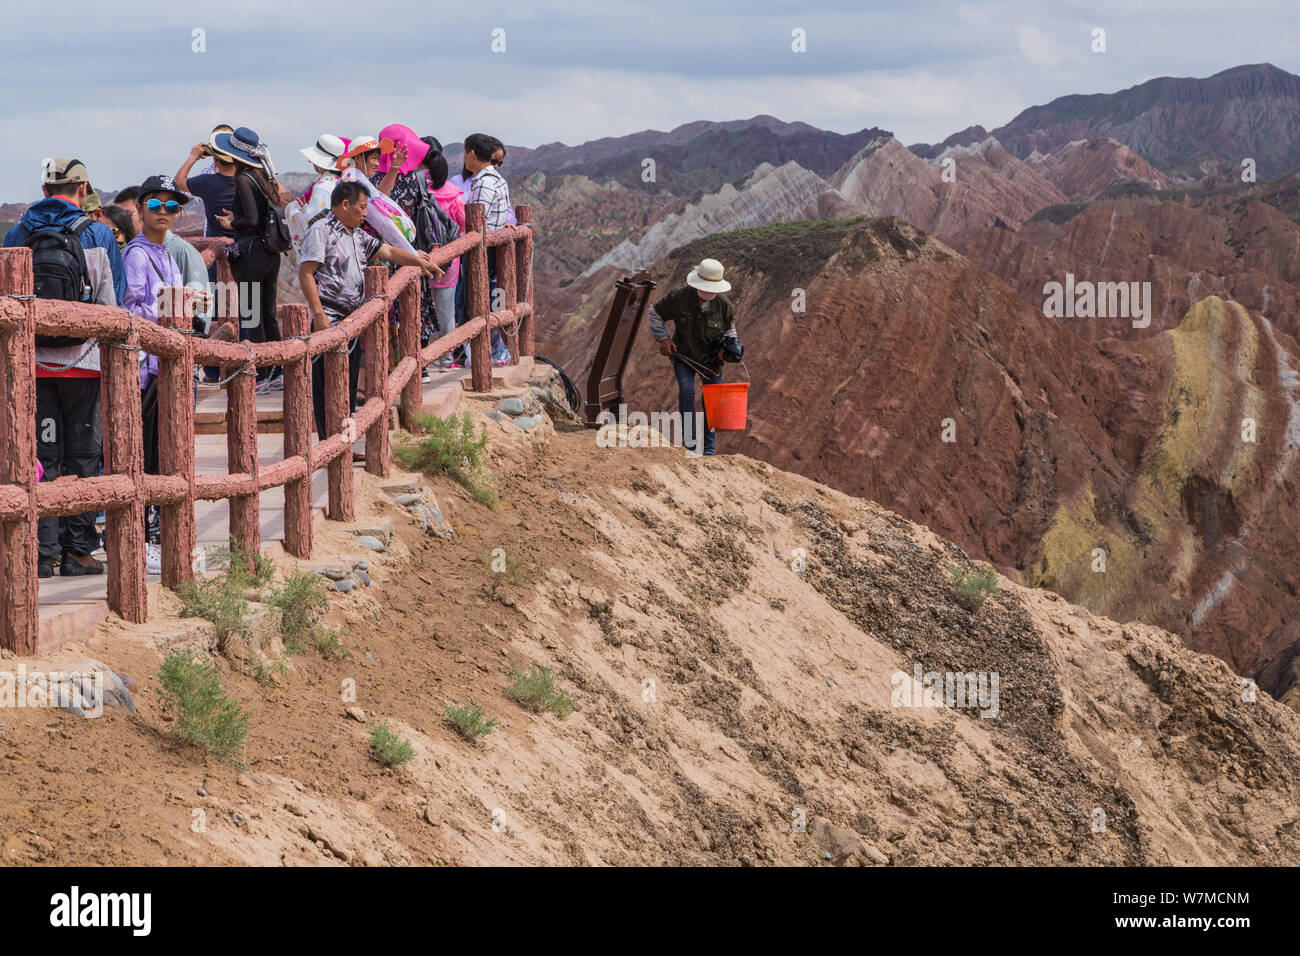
(405, 192)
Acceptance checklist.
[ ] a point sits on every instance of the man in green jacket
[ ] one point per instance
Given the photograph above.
(702, 317)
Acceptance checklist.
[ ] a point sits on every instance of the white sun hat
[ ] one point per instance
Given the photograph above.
(326, 153)
(707, 277)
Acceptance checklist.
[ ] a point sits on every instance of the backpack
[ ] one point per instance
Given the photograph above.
(60, 271)
(433, 227)
(277, 238)
(275, 235)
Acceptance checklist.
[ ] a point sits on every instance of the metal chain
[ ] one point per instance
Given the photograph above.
(56, 367)
(248, 368)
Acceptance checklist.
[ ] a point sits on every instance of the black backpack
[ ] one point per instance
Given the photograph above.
(60, 271)
(433, 227)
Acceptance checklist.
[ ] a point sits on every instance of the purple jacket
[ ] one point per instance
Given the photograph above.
(149, 267)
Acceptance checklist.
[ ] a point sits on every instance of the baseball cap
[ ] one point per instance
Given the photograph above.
(162, 184)
(62, 170)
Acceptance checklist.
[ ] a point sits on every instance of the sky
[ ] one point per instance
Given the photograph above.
(128, 87)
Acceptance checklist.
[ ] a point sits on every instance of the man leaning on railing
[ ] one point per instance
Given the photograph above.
(332, 271)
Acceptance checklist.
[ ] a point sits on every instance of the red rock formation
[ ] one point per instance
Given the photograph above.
(1060, 448)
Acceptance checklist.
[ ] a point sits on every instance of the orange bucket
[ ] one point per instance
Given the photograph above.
(725, 405)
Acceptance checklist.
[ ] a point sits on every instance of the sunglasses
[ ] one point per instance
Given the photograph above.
(117, 233)
(171, 205)
(498, 162)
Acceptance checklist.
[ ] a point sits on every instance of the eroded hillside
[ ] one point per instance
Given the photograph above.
(737, 642)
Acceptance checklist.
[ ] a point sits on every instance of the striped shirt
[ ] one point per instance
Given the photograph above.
(489, 187)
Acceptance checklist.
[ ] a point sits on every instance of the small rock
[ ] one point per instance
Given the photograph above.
(372, 857)
(371, 542)
(874, 855)
(201, 792)
(344, 586)
(296, 810)
(244, 780)
(356, 713)
(334, 574)
(369, 656)
(512, 406)
(408, 499)
(829, 684)
(495, 416)
(528, 422)
(429, 816)
(362, 577)
(361, 565)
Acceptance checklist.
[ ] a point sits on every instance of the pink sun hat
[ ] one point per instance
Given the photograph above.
(416, 148)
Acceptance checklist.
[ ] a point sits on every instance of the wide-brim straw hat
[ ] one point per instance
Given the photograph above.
(216, 150)
(707, 277)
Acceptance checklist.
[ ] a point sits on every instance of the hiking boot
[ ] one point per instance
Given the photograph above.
(45, 567)
(74, 564)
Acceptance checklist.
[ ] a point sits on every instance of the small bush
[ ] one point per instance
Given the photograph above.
(388, 748)
(218, 600)
(329, 644)
(301, 600)
(449, 446)
(244, 568)
(468, 719)
(535, 689)
(205, 715)
(973, 588)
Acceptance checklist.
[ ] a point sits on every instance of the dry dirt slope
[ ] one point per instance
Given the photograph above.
(772, 696)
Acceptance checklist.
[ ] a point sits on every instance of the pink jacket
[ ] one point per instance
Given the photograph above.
(452, 201)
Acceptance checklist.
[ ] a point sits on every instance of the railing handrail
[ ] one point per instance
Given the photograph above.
(124, 490)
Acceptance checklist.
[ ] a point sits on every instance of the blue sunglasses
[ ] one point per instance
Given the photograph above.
(171, 205)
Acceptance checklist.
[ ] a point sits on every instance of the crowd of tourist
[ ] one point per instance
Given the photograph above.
(377, 198)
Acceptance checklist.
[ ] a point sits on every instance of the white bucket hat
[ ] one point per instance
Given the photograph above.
(326, 153)
(707, 277)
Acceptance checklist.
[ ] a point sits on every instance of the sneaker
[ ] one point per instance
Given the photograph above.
(45, 567)
(426, 376)
(75, 564)
(152, 559)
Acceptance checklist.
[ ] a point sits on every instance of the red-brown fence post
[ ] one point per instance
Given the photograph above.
(19, 597)
(478, 298)
(524, 278)
(241, 456)
(298, 423)
(377, 364)
(408, 337)
(506, 294)
(124, 455)
(341, 480)
(176, 438)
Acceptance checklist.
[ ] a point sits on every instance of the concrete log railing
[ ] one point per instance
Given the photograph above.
(123, 491)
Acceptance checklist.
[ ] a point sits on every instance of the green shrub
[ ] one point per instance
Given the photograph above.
(243, 567)
(449, 446)
(219, 600)
(329, 644)
(301, 600)
(388, 748)
(973, 588)
(205, 715)
(535, 689)
(468, 719)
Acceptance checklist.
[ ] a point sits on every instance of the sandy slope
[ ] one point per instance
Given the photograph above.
(771, 702)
